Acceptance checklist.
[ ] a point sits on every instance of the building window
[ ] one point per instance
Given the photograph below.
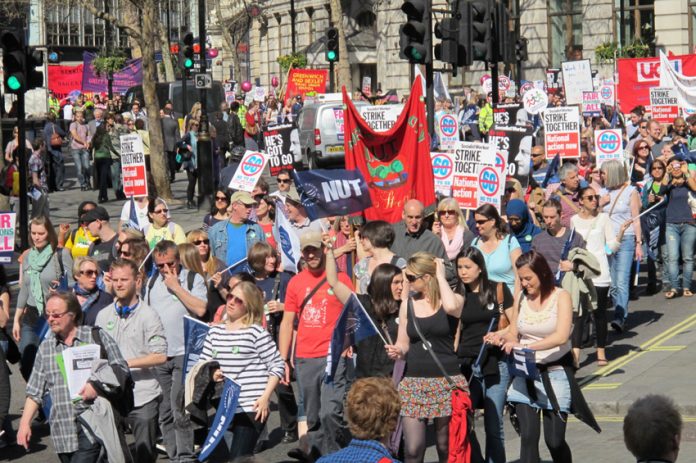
(692, 25)
(638, 21)
(565, 31)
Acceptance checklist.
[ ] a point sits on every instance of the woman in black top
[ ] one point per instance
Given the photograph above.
(382, 305)
(425, 392)
(484, 301)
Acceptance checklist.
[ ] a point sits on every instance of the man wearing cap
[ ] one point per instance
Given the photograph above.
(310, 299)
(104, 250)
(231, 240)
(297, 215)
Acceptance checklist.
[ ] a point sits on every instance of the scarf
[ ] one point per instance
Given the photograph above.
(91, 296)
(36, 262)
(452, 247)
(518, 208)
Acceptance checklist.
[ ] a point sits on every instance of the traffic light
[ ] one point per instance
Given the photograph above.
(448, 50)
(505, 36)
(14, 61)
(465, 34)
(35, 79)
(413, 43)
(186, 57)
(331, 45)
(521, 53)
(480, 11)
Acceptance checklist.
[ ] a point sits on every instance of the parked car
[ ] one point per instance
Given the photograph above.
(321, 139)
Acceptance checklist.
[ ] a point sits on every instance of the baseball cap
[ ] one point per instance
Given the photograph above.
(98, 213)
(312, 238)
(243, 197)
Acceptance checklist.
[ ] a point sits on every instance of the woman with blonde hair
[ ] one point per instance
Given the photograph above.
(451, 227)
(246, 354)
(210, 264)
(426, 392)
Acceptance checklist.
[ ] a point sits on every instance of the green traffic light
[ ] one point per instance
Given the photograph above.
(188, 63)
(331, 55)
(13, 83)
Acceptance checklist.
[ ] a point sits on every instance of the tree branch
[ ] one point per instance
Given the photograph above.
(132, 31)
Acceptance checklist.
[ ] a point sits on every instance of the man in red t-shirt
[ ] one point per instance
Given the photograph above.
(310, 298)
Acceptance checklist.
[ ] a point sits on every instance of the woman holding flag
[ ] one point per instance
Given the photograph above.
(247, 354)
(487, 306)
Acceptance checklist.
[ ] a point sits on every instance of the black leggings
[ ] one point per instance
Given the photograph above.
(600, 320)
(192, 176)
(554, 435)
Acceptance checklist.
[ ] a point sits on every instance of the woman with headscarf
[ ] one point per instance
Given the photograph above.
(521, 223)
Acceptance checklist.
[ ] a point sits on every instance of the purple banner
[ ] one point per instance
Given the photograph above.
(129, 76)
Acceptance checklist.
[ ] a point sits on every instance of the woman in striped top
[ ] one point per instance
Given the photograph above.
(247, 354)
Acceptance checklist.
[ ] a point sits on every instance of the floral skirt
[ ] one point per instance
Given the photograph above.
(428, 397)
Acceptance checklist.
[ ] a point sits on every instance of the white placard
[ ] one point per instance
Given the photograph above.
(577, 78)
(249, 171)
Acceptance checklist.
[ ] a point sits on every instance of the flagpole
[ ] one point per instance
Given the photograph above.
(233, 265)
(379, 333)
(140, 267)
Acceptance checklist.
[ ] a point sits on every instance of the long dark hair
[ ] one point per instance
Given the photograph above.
(487, 291)
(537, 264)
(213, 208)
(379, 290)
(490, 212)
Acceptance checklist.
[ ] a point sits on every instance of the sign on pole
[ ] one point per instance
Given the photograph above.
(278, 142)
(562, 132)
(491, 182)
(249, 171)
(608, 145)
(443, 172)
(513, 148)
(535, 101)
(7, 236)
(468, 158)
(505, 113)
(607, 95)
(664, 104)
(577, 78)
(133, 165)
(591, 106)
(380, 117)
(448, 130)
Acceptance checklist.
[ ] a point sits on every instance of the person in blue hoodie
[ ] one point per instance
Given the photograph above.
(521, 223)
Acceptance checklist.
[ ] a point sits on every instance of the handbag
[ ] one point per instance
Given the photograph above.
(56, 139)
(503, 320)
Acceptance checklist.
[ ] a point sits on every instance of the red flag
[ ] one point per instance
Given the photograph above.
(459, 440)
(396, 164)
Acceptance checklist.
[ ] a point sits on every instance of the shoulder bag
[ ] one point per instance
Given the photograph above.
(56, 139)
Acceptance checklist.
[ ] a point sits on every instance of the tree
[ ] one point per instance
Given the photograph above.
(343, 74)
(234, 31)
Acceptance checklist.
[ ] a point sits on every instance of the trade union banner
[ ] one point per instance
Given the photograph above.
(64, 79)
(130, 76)
(337, 192)
(638, 75)
(306, 81)
(396, 164)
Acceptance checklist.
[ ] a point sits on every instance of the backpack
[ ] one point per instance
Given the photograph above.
(122, 398)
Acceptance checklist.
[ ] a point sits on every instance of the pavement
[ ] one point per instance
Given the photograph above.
(654, 355)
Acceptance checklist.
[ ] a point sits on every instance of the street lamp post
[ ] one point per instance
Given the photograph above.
(206, 181)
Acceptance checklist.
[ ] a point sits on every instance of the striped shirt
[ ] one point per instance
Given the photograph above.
(248, 356)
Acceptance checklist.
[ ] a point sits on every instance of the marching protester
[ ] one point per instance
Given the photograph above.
(376, 239)
(238, 229)
(451, 227)
(161, 227)
(91, 298)
(218, 213)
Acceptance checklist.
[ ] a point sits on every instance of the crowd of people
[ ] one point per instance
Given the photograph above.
(452, 293)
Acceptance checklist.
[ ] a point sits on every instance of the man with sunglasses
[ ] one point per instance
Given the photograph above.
(231, 239)
(104, 251)
(284, 184)
(138, 330)
(174, 294)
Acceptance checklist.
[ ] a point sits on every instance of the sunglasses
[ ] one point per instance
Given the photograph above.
(166, 264)
(284, 180)
(89, 273)
(592, 197)
(413, 278)
(645, 147)
(199, 242)
(56, 315)
(125, 254)
(658, 168)
(161, 211)
(447, 212)
(643, 127)
(221, 198)
(235, 299)
(481, 222)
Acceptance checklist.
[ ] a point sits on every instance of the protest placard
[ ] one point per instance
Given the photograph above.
(607, 95)
(133, 165)
(381, 118)
(304, 81)
(7, 236)
(554, 81)
(338, 121)
(367, 85)
(260, 94)
(590, 104)
(447, 130)
(490, 180)
(514, 146)
(443, 172)
(562, 132)
(505, 113)
(467, 157)
(608, 145)
(249, 171)
(535, 101)
(577, 78)
(664, 104)
(278, 142)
